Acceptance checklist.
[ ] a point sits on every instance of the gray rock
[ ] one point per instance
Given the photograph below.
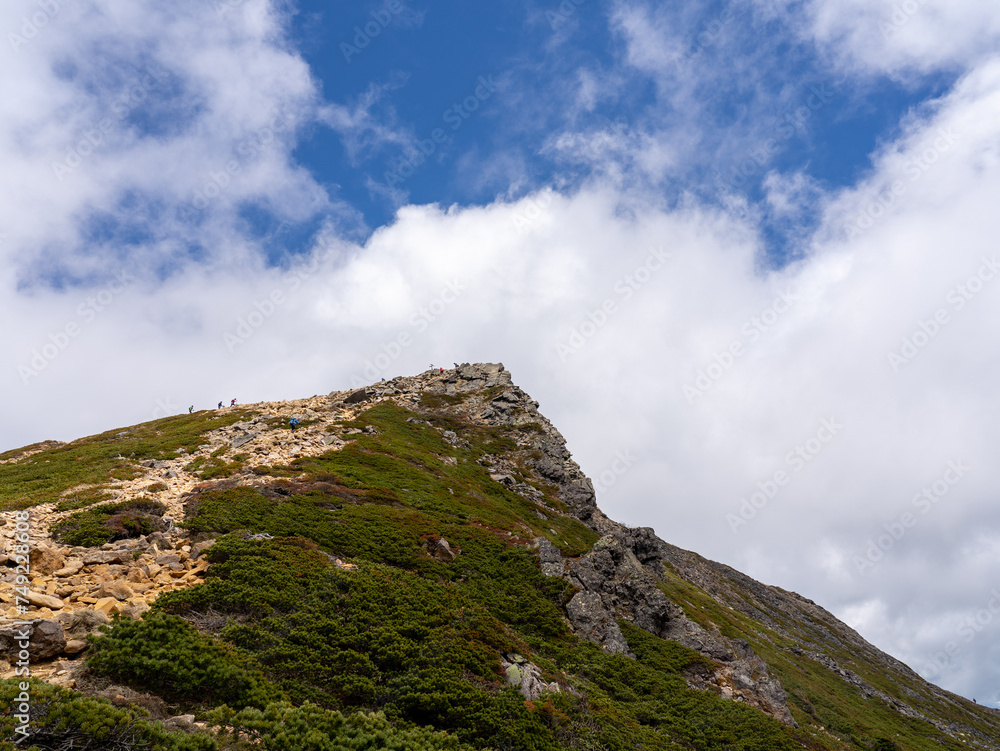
(171, 561)
(439, 548)
(591, 621)
(526, 677)
(549, 557)
(243, 439)
(45, 639)
(357, 397)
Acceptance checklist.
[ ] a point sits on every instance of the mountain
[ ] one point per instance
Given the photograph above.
(417, 564)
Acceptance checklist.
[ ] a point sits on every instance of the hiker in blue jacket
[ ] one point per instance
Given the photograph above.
(293, 423)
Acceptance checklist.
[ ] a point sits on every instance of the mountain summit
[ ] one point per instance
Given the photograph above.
(416, 564)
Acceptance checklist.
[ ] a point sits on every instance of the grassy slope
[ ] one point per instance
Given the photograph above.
(99, 460)
(816, 695)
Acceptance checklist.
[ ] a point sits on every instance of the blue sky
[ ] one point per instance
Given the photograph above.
(694, 232)
(424, 61)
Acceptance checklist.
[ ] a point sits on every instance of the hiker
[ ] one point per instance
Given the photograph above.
(293, 423)
(442, 369)
(233, 402)
(220, 405)
(190, 409)
(456, 364)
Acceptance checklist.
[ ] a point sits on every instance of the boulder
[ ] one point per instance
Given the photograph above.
(439, 548)
(200, 547)
(525, 676)
(75, 646)
(171, 561)
(70, 567)
(118, 590)
(44, 601)
(45, 560)
(45, 639)
(243, 439)
(357, 397)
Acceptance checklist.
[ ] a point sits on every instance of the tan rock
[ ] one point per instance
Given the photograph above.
(106, 605)
(50, 588)
(118, 590)
(45, 560)
(70, 568)
(44, 601)
(75, 646)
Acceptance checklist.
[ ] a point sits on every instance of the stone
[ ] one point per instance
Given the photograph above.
(440, 548)
(70, 568)
(357, 397)
(592, 621)
(526, 677)
(44, 601)
(96, 557)
(243, 439)
(550, 557)
(118, 590)
(75, 646)
(45, 560)
(107, 605)
(180, 722)
(45, 639)
(171, 561)
(200, 547)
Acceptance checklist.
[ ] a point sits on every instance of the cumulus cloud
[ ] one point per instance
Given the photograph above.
(905, 38)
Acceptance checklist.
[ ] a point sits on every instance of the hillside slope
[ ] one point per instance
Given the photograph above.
(426, 550)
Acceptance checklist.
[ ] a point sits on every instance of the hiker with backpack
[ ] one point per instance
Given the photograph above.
(293, 423)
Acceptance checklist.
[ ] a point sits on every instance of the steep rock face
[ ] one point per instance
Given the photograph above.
(614, 584)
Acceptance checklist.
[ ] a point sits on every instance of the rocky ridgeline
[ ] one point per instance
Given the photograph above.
(75, 590)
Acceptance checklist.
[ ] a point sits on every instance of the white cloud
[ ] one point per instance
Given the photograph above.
(147, 108)
(897, 37)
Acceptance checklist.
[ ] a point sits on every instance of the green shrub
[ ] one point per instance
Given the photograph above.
(64, 719)
(164, 655)
(283, 727)
(424, 652)
(110, 522)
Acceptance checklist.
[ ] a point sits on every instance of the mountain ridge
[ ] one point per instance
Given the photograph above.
(236, 468)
